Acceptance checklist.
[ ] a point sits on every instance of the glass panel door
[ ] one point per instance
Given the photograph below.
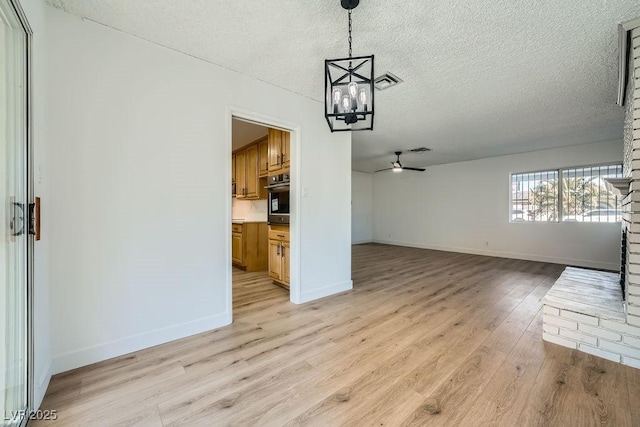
(13, 217)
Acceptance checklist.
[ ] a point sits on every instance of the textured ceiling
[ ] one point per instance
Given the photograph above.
(243, 133)
(481, 78)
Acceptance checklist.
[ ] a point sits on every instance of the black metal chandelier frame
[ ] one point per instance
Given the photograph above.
(349, 89)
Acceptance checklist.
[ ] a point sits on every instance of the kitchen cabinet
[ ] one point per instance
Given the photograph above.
(249, 184)
(249, 246)
(233, 174)
(263, 158)
(279, 255)
(237, 248)
(241, 175)
(279, 151)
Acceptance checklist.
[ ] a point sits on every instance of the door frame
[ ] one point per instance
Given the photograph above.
(294, 226)
(30, 377)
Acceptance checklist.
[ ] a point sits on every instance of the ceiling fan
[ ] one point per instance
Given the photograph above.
(397, 166)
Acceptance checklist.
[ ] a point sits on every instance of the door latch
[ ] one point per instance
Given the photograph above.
(34, 218)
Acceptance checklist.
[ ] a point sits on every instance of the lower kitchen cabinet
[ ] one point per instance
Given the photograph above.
(249, 250)
(279, 255)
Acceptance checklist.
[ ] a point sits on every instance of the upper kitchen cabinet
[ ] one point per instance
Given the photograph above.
(233, 174)
(279, 150)
(247, 169)
(263, 157)
(241, 174)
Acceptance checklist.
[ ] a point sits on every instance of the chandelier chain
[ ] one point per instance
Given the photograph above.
(349, 33)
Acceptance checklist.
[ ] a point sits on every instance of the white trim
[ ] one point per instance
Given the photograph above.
(41, 389)
(360, 242)
(294, 226)
(46, 375)
(97, 353)
(513, 255)
(327, 291)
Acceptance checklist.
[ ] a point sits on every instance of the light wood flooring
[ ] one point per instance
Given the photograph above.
(425, 338)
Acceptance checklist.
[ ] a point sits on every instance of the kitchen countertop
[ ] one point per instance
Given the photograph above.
(242, 221)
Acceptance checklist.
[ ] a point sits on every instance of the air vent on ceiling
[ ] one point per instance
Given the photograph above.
(386, 80)
(420, 150)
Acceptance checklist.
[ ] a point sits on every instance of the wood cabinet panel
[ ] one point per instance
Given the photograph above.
(246, 172)
(233, 174)
(241, 180)
(275, 260)
(251, 172)
(249, 246)
(286, 264)
(279, 255)
(279, 234)
(279, 151)
(285, 148)
(263, 158)
(275, 151)
(237, 248)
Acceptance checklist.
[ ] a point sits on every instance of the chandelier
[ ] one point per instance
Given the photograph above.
(348, 84)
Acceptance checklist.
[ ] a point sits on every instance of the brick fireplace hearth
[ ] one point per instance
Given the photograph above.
(589, 310)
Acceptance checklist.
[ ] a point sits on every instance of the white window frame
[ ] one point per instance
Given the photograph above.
(559, 171)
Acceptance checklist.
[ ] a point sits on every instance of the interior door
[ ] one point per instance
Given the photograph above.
(14, 229)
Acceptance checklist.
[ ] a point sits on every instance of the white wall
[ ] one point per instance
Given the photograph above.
(139, 144)
(36, 14)
(361, 207)
(461, 206)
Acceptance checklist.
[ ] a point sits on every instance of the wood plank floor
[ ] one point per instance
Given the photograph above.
(425, 338)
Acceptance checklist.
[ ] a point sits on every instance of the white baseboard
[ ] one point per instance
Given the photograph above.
(361, 242)
(108, 350)
(325, 291)
(43, 384)
(514, 255)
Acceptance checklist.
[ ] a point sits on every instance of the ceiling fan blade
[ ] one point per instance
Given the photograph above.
(381, 170)
(414, 169)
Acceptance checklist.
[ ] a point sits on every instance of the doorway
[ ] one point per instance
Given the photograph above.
(15, 190)
(261, 214)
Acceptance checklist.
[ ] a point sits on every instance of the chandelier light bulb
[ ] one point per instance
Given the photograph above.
(346, 103)
(362, 97)
(353, 93)
(353, 89)
(337, 95)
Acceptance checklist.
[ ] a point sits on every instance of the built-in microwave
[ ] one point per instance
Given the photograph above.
(279, 207)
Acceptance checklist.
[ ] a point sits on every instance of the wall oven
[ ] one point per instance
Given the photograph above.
(279, 208)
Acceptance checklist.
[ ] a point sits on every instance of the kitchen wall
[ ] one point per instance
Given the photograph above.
(361, 207)
(250, 210)
(464, 207)
(139, 170)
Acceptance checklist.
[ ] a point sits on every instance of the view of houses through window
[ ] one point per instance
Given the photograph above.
(577, 194)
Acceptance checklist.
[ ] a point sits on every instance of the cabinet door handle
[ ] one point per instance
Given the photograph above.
(278, 249)
(266, 164)
(279, 158)
(282, 157)
(282, 250)
(281, 236)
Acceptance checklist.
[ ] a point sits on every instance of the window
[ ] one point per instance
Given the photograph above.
(567, 195)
